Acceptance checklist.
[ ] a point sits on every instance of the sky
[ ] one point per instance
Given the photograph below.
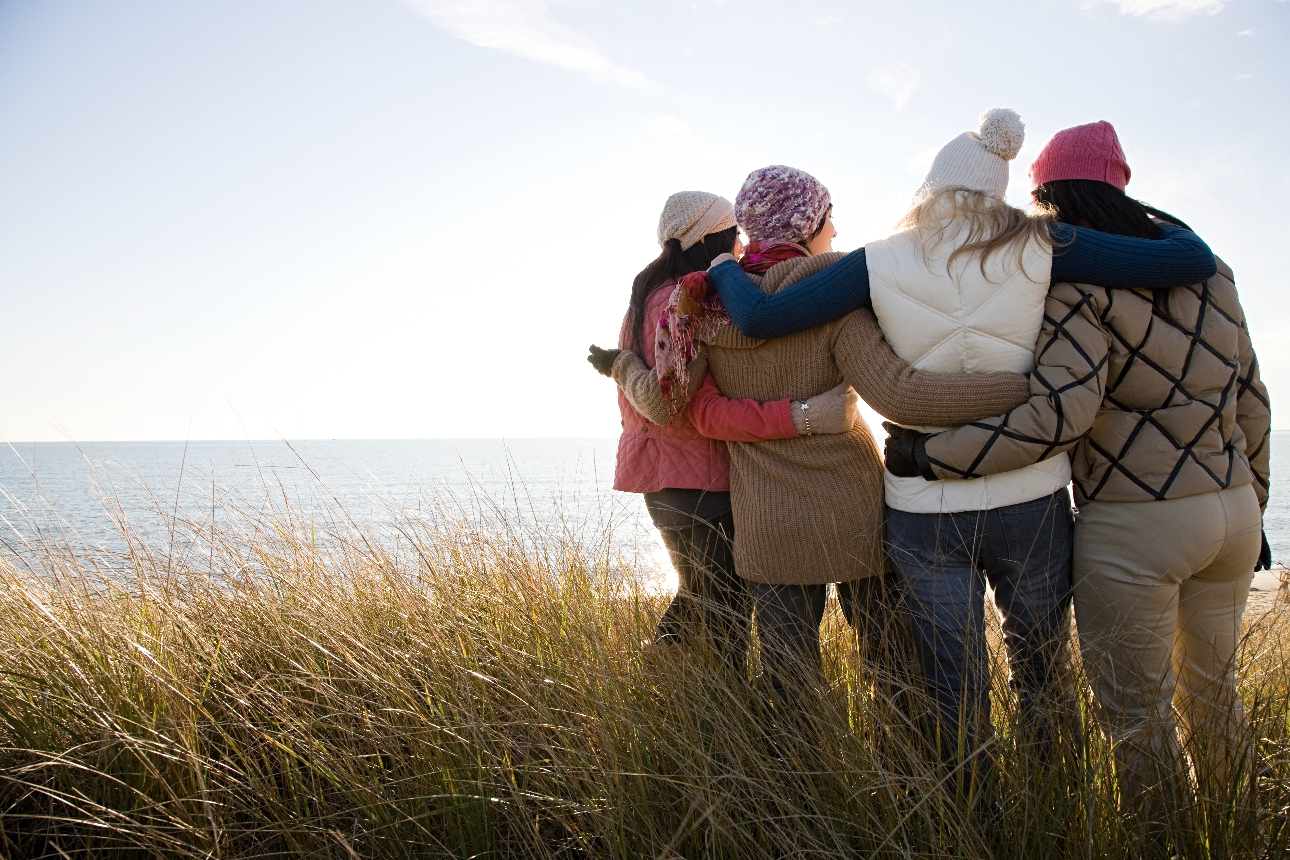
(358, 219)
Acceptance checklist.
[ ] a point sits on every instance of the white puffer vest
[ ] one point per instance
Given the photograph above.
(963, 322)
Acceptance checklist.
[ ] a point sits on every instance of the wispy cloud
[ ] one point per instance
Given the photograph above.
(524, 28)
(897, 80)
(829, 19)
(1165, 10)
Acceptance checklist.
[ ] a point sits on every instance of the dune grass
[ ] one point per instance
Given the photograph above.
(458, 686)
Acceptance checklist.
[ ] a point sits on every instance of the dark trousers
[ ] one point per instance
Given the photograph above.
(712, 607)
(788, 626)
(944, 562)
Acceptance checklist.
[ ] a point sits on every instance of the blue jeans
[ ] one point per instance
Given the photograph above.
(943, 562)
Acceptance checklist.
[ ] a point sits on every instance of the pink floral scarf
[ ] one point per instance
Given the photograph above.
(694, 311)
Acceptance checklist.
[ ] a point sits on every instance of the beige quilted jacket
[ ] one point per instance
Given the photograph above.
(1150, 406)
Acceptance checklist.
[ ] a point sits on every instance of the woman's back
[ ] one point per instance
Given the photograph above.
(653, 457)
(1152, 405)
(807, 510)
(977, 319)
(955, 311)
(1168, 425)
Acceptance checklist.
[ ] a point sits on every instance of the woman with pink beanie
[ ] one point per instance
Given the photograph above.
(681, 463)
(807, 510)
(1155, 401)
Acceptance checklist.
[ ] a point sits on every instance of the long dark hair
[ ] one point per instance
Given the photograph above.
(1101, 206)
(670, 265)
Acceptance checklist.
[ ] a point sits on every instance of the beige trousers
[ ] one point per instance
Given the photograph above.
(1160, 588)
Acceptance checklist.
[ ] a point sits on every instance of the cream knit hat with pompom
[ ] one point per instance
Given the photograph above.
(978, 160)
(690, 215)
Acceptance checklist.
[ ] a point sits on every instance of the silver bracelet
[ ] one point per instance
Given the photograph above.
(806, 418)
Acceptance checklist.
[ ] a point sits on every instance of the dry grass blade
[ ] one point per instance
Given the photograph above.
(469, 684)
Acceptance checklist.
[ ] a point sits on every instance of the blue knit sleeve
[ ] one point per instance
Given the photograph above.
(823, 297)
(1177, 259)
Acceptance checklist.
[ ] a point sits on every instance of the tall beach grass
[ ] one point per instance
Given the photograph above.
(273, 682)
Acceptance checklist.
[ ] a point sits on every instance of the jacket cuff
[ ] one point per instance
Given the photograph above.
(782, 413)
(620, 370)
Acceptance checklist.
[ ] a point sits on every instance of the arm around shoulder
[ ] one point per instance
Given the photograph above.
(719, 417)
(813, 301)
(916, 397)
(1179, 258)
(639, 383)
(640, 386)
(1067, 387)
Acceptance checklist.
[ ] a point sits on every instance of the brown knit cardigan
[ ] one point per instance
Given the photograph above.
(810, 510)
(1150, 406)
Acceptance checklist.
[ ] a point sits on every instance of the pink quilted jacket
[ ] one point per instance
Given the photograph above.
(653, 458)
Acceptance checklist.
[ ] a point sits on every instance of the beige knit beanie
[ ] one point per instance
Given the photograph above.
(691, 215)
(978, 160)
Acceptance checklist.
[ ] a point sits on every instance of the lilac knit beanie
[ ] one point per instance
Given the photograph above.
(781, 203)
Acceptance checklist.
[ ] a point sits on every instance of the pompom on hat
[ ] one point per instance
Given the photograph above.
(1089, 151)
(978, 160)
(688, 216)
(779, 203)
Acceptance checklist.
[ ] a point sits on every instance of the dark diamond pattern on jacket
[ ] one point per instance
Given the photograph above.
(1135, 361)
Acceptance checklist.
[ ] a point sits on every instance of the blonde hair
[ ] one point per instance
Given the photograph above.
(993, 225)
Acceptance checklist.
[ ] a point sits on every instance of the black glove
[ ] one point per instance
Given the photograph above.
(602, 359)
(1265, 556)
(906, 453)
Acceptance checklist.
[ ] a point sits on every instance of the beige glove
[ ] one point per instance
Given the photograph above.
(834, 411)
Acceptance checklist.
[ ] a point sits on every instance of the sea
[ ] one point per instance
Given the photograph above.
(80, 491)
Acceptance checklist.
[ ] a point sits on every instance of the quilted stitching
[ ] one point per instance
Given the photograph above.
(1205, 380)
(677, 455)
(1168, 425)
(954, 326)
(987, 317)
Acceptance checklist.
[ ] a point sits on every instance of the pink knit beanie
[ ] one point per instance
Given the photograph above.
(1084, 152)
(779, 203)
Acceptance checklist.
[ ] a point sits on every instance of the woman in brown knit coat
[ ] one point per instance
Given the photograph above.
(808, 511)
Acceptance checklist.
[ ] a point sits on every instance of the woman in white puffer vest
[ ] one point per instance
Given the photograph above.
(962, 289)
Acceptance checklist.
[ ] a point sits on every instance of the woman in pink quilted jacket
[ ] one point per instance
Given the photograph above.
(682, 465)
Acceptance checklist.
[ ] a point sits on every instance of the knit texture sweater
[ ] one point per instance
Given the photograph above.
(809, 510)
(1080, 255)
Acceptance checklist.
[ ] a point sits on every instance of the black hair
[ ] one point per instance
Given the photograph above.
(671, 265)
(1102, 206)
(819, 228)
